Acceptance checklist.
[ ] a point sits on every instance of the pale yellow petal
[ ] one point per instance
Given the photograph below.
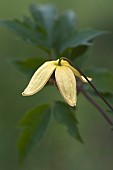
(66, 83)
(84, 80)
(79, 75)
(76, 72)
(40, 78)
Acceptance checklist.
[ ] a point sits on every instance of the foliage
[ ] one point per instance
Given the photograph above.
(33, 126)
(66, 115)
(45, 28)
(58, 36)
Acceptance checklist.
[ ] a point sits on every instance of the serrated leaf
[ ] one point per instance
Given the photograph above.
(65, 115)
(33, 124)
(22, 29)
(102, 79)
(83, 37)
(52, 32)
(28, 32)
(29, 65)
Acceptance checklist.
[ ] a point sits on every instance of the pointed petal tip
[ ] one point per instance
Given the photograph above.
(23, 94)
(27, 94)
(90, 79)
(76, 72)
(84, 80)
(72, 104)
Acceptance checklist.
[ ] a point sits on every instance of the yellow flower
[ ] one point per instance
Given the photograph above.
(64, 77)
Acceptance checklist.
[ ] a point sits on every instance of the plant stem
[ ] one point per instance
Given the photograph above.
(94, 88)
(99, 94)
(104, 114)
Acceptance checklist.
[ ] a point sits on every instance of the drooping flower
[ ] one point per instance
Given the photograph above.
(65, 77)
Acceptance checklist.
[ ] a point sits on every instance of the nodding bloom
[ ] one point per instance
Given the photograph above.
(65, 78)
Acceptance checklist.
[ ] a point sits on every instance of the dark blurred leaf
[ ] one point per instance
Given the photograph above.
(22, 29)
(65, 27)
(45, 17)
(80, 62)
(79, 38)
(102, 79)
(52, 32)
(78, 56)
(78, 51)
(28, 31)
(29, 65)
(64, 114)
(75, 54)
(33, 124)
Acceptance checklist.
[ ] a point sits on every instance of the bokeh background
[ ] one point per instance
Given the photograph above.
(57, 150)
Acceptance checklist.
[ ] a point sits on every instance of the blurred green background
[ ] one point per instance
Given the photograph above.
(57, 150)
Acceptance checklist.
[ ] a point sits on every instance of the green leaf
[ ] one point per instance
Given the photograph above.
(22, 29)
(102, 79)
(64, 114)
(38, 31)
(52, 32)
(45, 17)
(28, 65)
(33, 124)
(65, 27)
(80, 62)
(28, 32)
(78, 51)
(78, 38)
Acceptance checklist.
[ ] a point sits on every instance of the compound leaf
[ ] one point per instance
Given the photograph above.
(45, 17)
(65, 115)
(65, 27)
(83, 37)
(33, 124)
